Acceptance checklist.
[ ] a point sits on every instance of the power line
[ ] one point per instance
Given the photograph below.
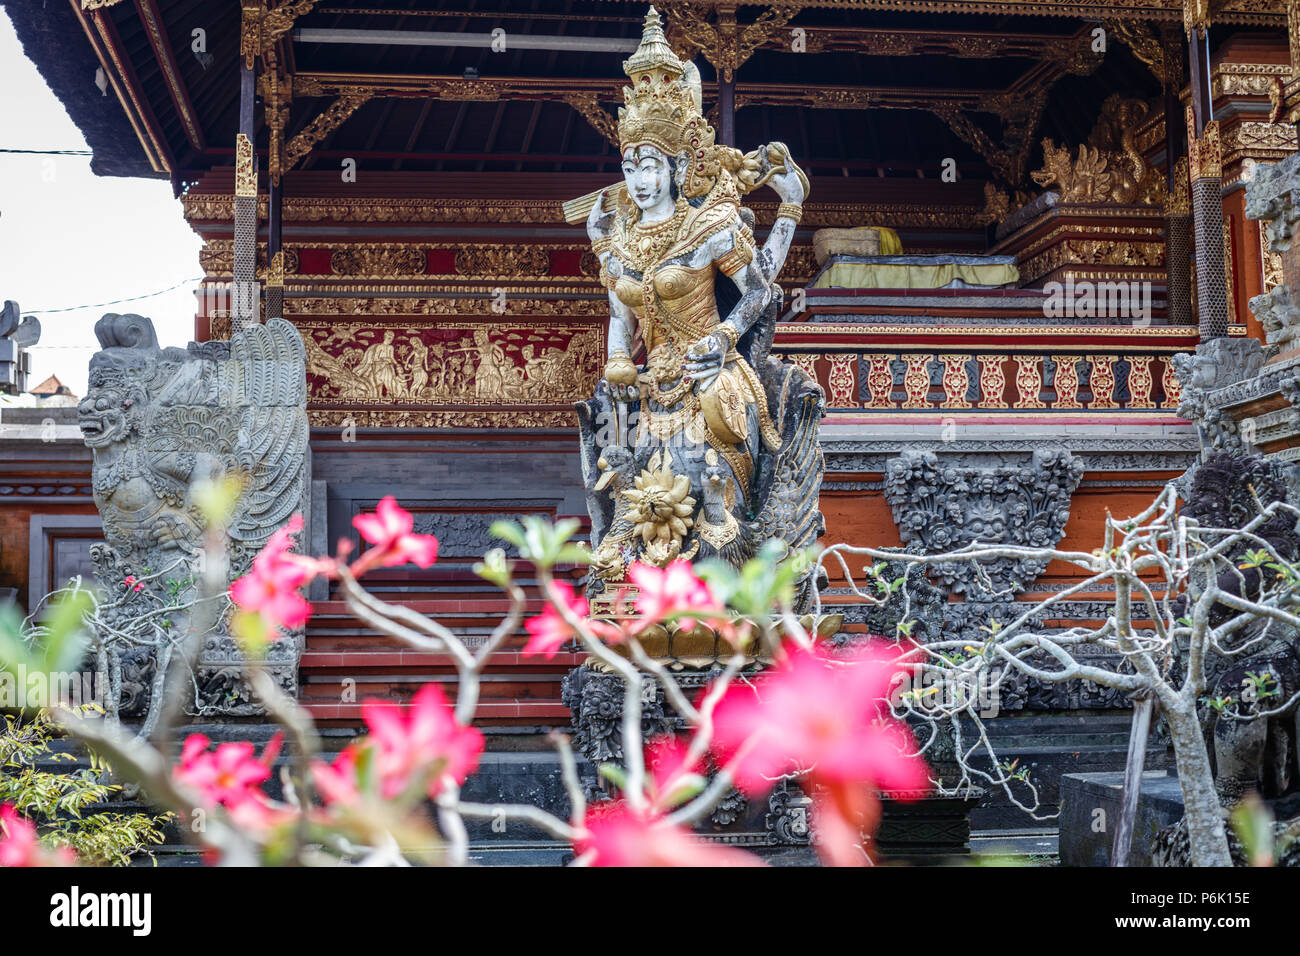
(48, 152)
(98, 305)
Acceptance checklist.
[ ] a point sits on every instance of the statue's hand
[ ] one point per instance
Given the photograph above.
(705, 358)
(788, 186)
(621, 377)
(600, 223)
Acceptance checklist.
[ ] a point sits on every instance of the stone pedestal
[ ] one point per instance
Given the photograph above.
(1090, 811)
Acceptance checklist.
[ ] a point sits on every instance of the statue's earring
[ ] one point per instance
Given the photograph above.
(683, 164)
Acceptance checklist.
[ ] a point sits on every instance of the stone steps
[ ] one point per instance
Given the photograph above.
(345, 662)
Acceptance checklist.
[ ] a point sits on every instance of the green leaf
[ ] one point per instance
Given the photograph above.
(64, 644)
(508, 531)
(494, 567)
(614, 774)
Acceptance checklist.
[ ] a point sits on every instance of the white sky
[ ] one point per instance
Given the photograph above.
(71, 238)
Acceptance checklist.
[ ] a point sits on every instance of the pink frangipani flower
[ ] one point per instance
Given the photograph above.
(227, 776)
(389, 529)
(664, 592)
(422, 742)
(548, 631)
(271, 587)
(20, 845)
(615, 834)
(829, 717)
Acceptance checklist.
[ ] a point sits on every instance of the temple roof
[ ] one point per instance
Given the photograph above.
(885, 93)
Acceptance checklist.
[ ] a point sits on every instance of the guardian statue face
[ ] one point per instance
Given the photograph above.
(648, 177)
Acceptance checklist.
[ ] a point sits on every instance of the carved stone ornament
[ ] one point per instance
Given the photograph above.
(1277, 313)
(1271, 197)
(945, 507)
(158, 420)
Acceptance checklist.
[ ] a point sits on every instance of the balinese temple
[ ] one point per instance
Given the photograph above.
(1019, 213)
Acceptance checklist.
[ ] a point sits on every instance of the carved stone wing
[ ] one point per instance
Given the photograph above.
(789, 506)
(266, 375)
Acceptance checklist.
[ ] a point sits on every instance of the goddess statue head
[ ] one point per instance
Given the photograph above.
(664, 138)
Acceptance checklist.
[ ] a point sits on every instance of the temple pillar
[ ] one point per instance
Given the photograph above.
(1205, 162)
(245, 305)
(274, 254)
(1178, 217)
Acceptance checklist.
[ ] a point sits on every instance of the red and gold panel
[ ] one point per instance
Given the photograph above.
(474, 374)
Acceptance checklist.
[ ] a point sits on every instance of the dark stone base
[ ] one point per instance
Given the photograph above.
(1052, 745)
(1090, 809)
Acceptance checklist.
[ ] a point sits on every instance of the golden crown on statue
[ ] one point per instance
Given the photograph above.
(663, 104)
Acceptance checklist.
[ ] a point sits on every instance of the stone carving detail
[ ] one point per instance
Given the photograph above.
(157, 420)
(1216, 364)
(943, 507)
(595, 700)
(1271, 198)
(1277, 312)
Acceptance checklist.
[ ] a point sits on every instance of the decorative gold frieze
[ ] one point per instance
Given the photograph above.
(880, 380)
(513, 303)
(1178, 202)
(1074, 252)
(1173, 389)
(1267, 142)
(500, 259)
(1205, 155)
(993, 382)
(956, 381)
(1140, 382)
(916, 381)
(450, 363)
(217, 207)
(378, 260)
(445, 418)
(1101, 381)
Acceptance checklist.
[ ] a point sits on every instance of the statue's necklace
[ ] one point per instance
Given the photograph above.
(649, 243)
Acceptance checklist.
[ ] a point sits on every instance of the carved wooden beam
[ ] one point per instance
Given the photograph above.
(725, 42)
(325, 123)
(262, 27)
(1146, 45)
(162, 51)
(588, 104)
(276, 89)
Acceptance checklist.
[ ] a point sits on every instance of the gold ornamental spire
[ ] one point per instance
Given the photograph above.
(653, 53)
